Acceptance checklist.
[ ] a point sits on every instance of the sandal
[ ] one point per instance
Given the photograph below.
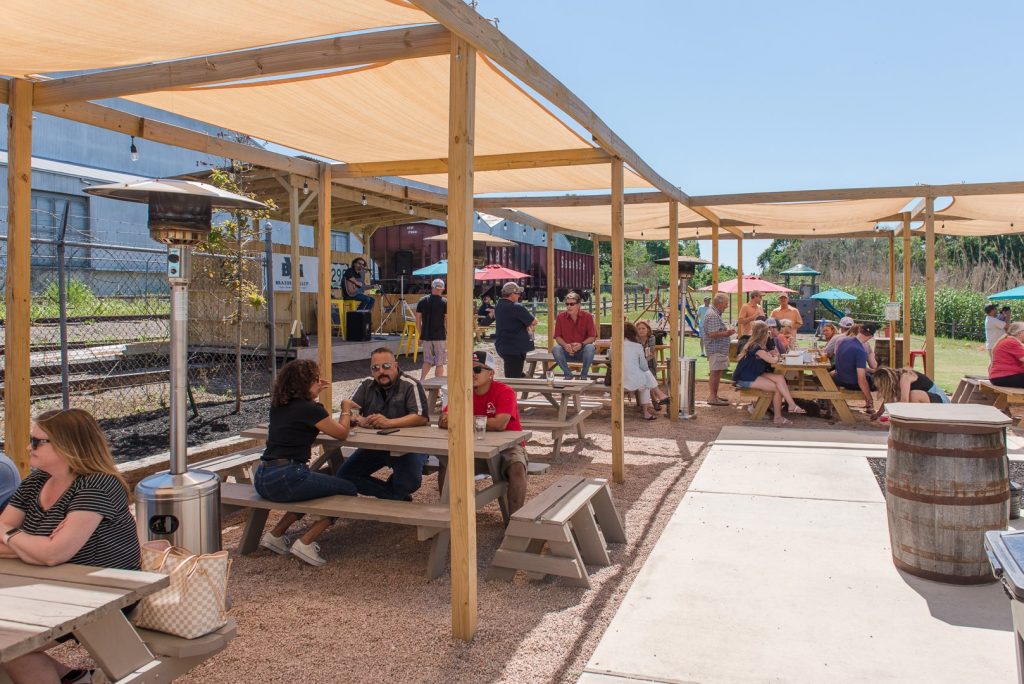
(718, 402)
(797, 410)
(650, 416)
(780, 423)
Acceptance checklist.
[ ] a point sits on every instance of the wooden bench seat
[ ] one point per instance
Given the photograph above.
(542, 403)
(575, 518)
(968, 391)
(848, 395)
(241, 465)
(431, 520)
(171, 646)
(1005, 398)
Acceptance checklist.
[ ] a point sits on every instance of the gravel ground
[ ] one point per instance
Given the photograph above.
(369, 615)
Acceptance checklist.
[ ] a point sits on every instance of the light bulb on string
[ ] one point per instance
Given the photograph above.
(363, 200)
(134, 150)
(411, 210)
(305, 187)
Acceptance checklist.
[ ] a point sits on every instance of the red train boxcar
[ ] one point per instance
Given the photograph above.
(397, 251)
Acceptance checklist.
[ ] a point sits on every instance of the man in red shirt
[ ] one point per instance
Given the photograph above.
(575, 334)
(497, 401)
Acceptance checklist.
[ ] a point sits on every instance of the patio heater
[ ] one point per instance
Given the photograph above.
(688, 366)
(179, 505)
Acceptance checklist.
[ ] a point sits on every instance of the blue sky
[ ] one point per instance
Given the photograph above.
(726, 97)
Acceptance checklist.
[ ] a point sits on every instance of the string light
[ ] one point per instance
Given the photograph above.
(411, 210)
(363, 200)
(134, 150)
(305, 187)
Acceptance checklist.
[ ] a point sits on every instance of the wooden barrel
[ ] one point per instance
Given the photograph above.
(946, 484)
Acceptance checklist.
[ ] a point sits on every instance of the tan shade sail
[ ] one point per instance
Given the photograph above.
(807, 218)
(998, 208)
(68, 35)
(394, 112)
(597, 219)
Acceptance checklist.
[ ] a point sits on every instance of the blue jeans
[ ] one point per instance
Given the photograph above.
(584, 356)
(298, 483)
(406, 473)
(365, 301)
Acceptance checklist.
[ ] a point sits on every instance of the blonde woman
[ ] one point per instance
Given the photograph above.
(754, 372)
(904, 384)
(72, 508)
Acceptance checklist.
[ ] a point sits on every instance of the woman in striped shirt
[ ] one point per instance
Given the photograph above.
(72, 508)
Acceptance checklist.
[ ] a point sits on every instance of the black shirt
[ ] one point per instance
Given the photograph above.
(511, 320)
(350, 273)
(404, 398)
(293, 430)
(433, 308)
(114, 544)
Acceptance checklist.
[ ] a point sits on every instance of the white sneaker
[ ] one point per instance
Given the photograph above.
(308, 552)
(278, 545)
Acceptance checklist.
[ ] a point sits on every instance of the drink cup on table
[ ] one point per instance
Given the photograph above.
(479, 426)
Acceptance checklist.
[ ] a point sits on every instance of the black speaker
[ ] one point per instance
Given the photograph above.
(357, 326)
(403, 262)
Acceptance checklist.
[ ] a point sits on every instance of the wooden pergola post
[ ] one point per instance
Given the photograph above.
(618, 292)
(293, 223)
(324, 341)
(929, 260)
(596, 299)
(675, 330)
(17, 365)
(892, 297)
(461, 485)
(908, 327)
(714, 259)
(550, 280)
(739, 272)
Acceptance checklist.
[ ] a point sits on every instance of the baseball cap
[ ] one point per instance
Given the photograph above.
(484, 358)
(772, 323)
(868, 329)
(845, 322)
(510, 288)
(437, 283)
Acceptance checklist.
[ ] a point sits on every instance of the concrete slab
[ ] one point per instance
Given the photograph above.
(746, 586)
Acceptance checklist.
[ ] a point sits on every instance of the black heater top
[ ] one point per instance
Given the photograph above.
(687, 264)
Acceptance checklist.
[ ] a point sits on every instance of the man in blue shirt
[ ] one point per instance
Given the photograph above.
(10, 478)
(702, 311)
(852, 364)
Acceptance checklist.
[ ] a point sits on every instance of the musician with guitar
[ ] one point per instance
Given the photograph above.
(353, 284)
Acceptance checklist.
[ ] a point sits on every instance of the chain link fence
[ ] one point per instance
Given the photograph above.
(99, 317)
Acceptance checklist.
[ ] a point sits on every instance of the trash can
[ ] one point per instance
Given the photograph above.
(184, 509)
(687, 387)
(1005, 552)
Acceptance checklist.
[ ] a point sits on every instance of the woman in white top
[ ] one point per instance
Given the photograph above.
(636, 376)
(994, 328)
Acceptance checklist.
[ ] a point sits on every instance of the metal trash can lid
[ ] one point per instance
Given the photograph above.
(1005, 551)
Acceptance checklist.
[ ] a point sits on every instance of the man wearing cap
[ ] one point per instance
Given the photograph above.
(497, 402)
(431, 322)
(575, 334)
(513, 330)
(852, 364)
(785, 312)
(702, 311)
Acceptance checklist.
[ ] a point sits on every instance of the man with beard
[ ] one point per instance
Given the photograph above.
(387, 399)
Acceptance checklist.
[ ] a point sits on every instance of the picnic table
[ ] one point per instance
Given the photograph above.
(39, 604)
(546, 361)
(564, 397)
(808, 381)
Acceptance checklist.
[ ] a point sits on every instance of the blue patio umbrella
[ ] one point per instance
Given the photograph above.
(438, 269)
(834, 294)
(1015, 293)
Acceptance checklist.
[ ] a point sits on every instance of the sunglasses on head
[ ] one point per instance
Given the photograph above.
(377, 366)
(36, 442)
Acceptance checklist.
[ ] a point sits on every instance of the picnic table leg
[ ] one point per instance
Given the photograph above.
(115, 645)
(829, 385)
(510, 543)
(494, 468)
(761, 406)
(253, 530)
(591, 542)
(438, 553)
(608, 516)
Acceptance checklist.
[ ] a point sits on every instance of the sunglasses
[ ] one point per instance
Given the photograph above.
(479, 369)
(36, 442)
(377, 366)
(571, 302)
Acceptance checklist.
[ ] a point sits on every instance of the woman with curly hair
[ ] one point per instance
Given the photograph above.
(904, 384)
(296, 418)
(645, 336)
(72, 508)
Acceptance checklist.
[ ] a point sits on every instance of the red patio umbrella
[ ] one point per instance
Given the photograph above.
(498, 272)
(750, 284)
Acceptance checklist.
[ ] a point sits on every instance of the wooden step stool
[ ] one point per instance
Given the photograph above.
(575, 517)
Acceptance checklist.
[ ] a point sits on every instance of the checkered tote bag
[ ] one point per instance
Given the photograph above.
(195, 602)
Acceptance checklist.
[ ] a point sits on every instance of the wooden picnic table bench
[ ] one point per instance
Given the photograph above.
(818, 385)
(39, 604)
(1005, 398)
(546, 361)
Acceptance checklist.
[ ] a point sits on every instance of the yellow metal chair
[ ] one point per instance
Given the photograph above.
(342, 306)
(410, 342)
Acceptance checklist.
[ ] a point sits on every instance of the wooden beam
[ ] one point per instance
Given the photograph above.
(462, 490)
(908, 327)
(893, 325)
(157, 131)
(464, 21)
(618, 278)
(596, 299)
(952, 190)
(714, 260)
(372, 200)
(675, 330)
(324, 340)
(739, 273)
(929, 297)
(18, 327)
(299, 56)
(391, 189)
(294, 211)
(4, 90)
(491, 162)
(571, 200)
(550, 282)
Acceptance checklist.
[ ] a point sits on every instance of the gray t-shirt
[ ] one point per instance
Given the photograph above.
(994, 329)
(10, 478)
